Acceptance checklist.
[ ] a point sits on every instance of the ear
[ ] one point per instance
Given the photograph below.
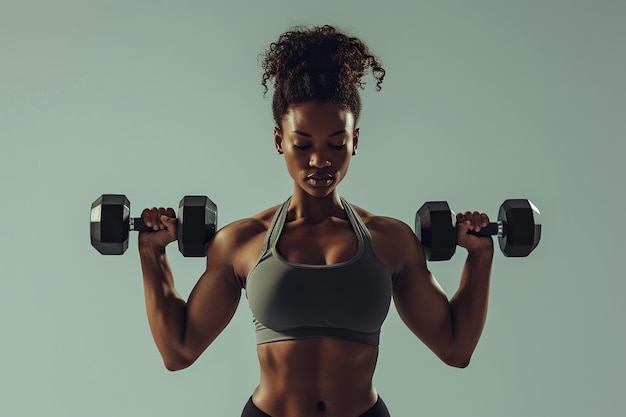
(355, 141)
(278, 140)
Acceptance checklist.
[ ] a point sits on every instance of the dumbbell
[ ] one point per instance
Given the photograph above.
(111, 222)
(518, 229)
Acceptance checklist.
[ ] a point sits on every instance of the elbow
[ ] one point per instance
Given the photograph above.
(175, 366)
(181, 357)
(178, 363)
(457, 360)
(458, 363)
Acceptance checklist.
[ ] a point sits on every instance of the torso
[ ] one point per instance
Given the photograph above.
(330, 377)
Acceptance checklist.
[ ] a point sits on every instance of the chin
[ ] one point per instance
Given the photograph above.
(319, 191)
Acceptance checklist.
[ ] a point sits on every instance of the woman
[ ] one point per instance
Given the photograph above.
(318, 272)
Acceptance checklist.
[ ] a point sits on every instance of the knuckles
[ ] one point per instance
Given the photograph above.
(152, 216)
(475, 218)
(471, 220)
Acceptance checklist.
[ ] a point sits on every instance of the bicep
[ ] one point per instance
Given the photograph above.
(213, 301)
(421, 302)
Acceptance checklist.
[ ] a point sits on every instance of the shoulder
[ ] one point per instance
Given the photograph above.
(237, 245)
(242, 229)
(394, 241)
(384, 225)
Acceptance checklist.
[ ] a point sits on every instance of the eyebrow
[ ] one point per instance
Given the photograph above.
(308, 135)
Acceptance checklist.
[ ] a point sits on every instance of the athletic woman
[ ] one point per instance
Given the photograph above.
(319, 273)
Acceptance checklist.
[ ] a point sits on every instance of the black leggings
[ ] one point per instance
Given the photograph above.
(378, 410)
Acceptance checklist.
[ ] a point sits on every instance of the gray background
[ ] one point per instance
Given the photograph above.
(483, 101)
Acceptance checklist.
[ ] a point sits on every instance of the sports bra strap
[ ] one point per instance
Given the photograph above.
(357, 223)
(276, 226)
(278, 222)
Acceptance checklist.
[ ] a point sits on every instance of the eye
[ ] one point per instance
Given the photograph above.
(338, 147)
(301, 147)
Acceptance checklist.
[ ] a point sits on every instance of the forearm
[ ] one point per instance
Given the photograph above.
(469, 304)
(166, 309)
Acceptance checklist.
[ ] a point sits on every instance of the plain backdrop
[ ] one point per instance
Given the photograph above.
(483, 101)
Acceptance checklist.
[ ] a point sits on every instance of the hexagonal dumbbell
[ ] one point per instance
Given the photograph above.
(111, 222)
(518, 229)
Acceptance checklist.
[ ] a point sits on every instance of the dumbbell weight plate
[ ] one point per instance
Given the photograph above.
(109, 226)
(197, 220)
(437, 216)
(521, 227)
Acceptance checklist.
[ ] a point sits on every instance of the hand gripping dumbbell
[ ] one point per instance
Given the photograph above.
(111, 223)
(518, 229)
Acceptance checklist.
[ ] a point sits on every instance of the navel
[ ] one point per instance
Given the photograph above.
(321, 406)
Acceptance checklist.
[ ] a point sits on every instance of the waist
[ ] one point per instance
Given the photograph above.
(306, 371)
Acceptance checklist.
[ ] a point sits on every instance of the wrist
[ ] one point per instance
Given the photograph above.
(481, 253)
(151, 250)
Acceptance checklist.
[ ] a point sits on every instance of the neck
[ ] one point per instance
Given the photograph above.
(315, 209)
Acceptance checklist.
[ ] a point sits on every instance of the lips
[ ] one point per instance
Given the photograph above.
(320, 180)
(320, 177)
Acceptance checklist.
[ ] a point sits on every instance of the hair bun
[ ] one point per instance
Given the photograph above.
(318, 63)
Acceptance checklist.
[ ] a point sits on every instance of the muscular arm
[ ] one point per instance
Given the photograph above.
(181, 329)
(450, 328)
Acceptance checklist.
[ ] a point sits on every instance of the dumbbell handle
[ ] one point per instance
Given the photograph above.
(137, 224)
(492, 229)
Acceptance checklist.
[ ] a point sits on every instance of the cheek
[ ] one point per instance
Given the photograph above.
(295, 164)
(345, 160)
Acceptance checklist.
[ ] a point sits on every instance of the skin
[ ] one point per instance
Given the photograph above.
(318, 376)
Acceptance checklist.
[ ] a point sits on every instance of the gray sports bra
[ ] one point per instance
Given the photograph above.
(347, 300)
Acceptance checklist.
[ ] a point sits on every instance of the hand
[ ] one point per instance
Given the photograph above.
(163, 223)
(473, 221)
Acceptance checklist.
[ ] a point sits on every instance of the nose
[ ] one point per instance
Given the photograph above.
(318, 160)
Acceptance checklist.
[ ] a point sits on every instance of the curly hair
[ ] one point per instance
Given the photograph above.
(319, 64)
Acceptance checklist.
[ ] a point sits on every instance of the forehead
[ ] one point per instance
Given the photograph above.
(312, 115)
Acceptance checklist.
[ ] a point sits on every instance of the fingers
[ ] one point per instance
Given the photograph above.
(168, 221)
(472, 220)
(159, 218)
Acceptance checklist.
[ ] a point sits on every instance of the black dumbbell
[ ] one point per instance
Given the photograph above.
(111, 222)
(518, 229)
